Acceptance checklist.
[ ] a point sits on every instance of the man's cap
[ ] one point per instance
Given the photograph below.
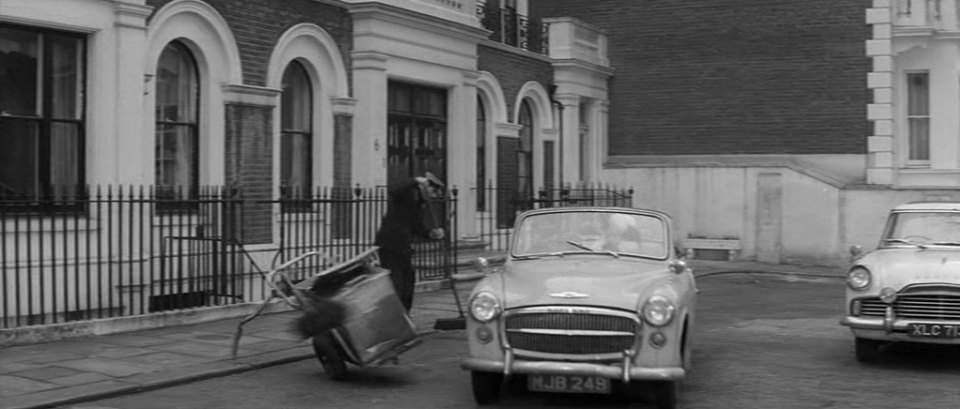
(433, 179)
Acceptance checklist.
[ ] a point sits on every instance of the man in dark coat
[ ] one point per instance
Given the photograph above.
(408, 215)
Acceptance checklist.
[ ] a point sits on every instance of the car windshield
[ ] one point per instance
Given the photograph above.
(602, 232)
(923, 229)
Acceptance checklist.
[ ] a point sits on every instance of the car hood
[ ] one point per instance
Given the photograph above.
(897, 268)
(582, 280)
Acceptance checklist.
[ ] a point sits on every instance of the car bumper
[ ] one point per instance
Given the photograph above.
(573, 368)
(892, 329)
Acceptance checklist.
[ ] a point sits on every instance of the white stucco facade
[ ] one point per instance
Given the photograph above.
(908, 38)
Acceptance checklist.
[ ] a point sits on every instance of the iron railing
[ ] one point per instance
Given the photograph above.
(342, 223)
(512, 28)
(502, 206)
(121, 251)
(116, 251)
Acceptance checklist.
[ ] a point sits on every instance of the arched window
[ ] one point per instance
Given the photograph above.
(177, 117)
(296, 148)
(525, 154)
(481, 156)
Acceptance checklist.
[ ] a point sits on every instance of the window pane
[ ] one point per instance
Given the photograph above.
(919, 138)
(526, 133)
(295, 175)
(177, 143)
(66, 56)
(918, 91)
(437, 103)
(19, 157)
(176, 159)
(295, 106)
(525, 153)
(64, 156)
(19, 72)
(177, 86)
(481, 156)
(399, 98)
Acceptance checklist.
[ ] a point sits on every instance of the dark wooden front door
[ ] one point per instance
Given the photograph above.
(416, 132)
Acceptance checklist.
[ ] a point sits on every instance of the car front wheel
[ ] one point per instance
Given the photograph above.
(868, 350)
(486, 387)
(665, 394)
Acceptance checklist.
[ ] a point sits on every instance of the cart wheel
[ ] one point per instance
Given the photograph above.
(330, 356)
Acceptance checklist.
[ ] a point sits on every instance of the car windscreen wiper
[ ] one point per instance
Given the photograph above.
(946, 243)
(537, 256)
(912, 243)
(592, 250)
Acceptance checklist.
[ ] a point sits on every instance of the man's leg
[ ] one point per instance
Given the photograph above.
(401, 273)
(408, 283)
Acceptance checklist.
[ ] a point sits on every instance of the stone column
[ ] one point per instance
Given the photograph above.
(369, 145)
(461, 151)
(880, 146)
(570, 137)
(600, 138)
(129, 150)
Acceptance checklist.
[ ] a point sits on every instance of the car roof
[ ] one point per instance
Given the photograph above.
(939, 206)
(597, 209)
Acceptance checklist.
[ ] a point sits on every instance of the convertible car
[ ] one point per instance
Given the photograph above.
(908, 289)
(591, 300)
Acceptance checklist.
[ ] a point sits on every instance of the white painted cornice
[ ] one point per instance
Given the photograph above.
(507, 129)
(344, 106)
(567, 99)
(131, 15)
(583, 67)
(369, 60)
(251, 95)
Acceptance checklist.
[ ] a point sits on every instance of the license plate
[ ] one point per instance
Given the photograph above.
(568, 383)
(933, 330)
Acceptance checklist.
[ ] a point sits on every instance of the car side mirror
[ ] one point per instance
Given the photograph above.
(678, 266)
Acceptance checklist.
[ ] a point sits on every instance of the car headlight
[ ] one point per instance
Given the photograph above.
(484, 307)
(858, 278)
(658, 310)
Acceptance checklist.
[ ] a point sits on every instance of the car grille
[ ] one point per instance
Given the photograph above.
(570, 332)
(916, 306)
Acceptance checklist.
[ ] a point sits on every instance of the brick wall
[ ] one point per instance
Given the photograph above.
(249, 166)
(732, 76)
(258, 24)
(512, 71)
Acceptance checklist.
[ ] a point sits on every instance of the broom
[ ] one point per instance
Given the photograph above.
(460, 322)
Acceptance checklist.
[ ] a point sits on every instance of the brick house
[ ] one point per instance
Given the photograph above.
(147, 139)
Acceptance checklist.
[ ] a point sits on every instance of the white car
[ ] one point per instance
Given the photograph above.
(908, 289)
(590, 300)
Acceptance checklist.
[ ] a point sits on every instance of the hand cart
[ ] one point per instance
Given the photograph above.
(375, 328)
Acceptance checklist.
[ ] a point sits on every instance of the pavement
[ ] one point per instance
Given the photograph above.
(70, 371)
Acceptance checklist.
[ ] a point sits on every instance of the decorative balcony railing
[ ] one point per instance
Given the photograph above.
(925, 15)
(512, 28)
